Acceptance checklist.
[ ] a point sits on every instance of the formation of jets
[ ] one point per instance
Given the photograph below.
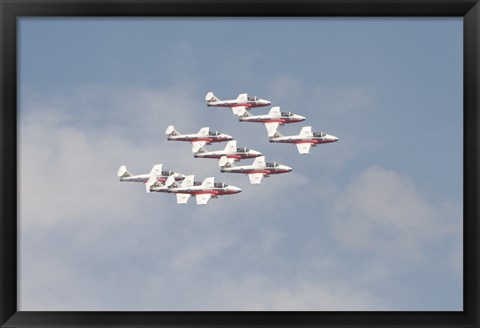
(184, 186)
(202, 190)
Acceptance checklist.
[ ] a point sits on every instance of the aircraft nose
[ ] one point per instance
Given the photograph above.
(335, 139)
(236, 189)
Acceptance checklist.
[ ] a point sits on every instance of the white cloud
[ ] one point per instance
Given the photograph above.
(381, 211)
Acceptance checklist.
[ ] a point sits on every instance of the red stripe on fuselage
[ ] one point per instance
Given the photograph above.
(312, 141)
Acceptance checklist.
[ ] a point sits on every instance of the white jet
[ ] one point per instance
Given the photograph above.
(231, 151)
(203, 137)
(256, 171)
(273, 119)
(240, 105)
(157, 171)
(203, 191)
(305, 140)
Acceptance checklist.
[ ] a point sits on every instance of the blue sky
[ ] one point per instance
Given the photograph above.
(372, 222)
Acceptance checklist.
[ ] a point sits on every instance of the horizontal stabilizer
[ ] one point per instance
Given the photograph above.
(170, 131)
(122, 172)
(210, 97)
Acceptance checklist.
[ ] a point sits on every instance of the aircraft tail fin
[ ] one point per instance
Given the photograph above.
(277, 135)
(200, 150)
(208, 182)
(275, 111)
(152, 183)
(231, 146)
(210, 97)
(156, 170)
(259, 161)
(188, 181)
(170, 131)
(170, 182)
(242, 97)
(123, 172)
(306, 131)
(245, 114)
(204, 131)
(224, 161)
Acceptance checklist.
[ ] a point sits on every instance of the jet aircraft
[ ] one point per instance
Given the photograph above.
(305, 140)
(256, 171)
(203, 191)
(203, 137)
(157, 171)
(273, 119)
(240, 105)
(231, 151)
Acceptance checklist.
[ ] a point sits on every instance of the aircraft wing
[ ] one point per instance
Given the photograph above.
(196, 145)
(304, 148)
(203, 199)
(183, 198)
(255, 178)
(271, 128)
(239, 110)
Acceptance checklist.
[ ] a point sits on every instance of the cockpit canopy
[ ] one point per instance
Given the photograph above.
(319, 134)
(271, 164)
(220, 185)
(213, 133)
(287, 114)
(242, 150)
(251, 98)
(167, 173)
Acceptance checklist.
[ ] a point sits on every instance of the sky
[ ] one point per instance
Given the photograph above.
(372, 222)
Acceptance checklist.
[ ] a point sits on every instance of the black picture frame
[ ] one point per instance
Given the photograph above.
(11, 10)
